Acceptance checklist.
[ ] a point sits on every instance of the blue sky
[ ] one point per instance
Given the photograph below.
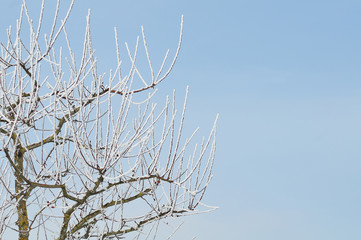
(285, 78)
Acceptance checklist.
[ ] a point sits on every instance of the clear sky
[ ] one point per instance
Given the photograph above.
(285, 77)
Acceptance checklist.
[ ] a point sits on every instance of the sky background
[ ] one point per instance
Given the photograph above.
(285, 77)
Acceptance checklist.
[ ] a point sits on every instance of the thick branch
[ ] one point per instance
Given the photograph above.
(69, 212)
(140, 224)
(83, 222)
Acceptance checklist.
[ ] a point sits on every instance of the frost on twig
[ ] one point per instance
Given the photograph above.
(80, 158)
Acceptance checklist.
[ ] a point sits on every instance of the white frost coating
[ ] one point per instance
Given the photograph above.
(91, 155)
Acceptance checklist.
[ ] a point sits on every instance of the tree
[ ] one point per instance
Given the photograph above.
(82, 157)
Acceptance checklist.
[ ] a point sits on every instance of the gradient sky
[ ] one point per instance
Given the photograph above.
(285, 77)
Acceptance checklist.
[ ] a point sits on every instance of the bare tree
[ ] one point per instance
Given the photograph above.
(82, 155)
